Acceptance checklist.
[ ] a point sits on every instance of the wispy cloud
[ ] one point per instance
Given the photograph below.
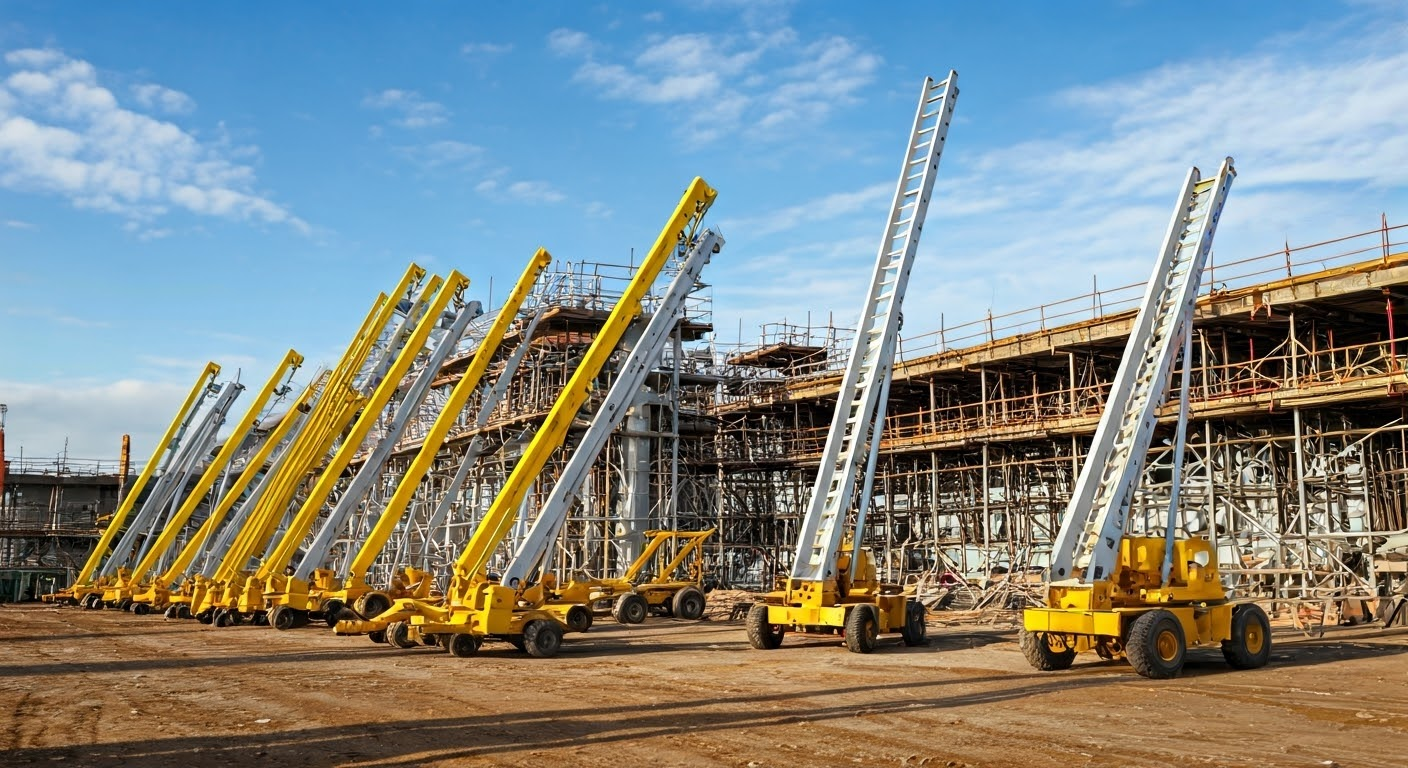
(443, 154)
(162, 99)
(63, 133)
(533, 192)
(760, 82)
(47, 315)
(486, 49)
(18, 224)
(411, 110)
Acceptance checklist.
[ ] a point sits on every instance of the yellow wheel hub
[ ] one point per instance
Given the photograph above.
(1167, 646)
(1254, 639)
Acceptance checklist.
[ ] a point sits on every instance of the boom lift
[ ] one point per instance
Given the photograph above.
(131, 581)
(249, 598)
(833, 586)
(315, 589)
(1145, 597)
(85, 590)
(365, 359)
(476, 607)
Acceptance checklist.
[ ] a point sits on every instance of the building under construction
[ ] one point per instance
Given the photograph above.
(1297, 458)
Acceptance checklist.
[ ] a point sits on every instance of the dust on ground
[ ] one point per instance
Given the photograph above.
(108, 688)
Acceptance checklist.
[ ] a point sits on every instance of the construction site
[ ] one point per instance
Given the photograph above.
(678, 538)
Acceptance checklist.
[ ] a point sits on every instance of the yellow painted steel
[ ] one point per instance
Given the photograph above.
(302, 596)
(157, 594)
(334, 409)
(474, 605)
(658, 591)
(132, 580)
(270, 571)
(82, 585)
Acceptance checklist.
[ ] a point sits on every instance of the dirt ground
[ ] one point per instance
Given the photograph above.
(107, 688)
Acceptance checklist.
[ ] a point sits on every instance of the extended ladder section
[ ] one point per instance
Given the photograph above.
(371, 469)
(166, 492)
(165, 451)
(1095, 519)
(629, 379)
(449, 415)
(860, 409)
(495, 525)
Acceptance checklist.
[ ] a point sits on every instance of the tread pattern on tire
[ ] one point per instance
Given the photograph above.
(1141, 645)
(762, 635)
(1040, 655)
(1235, 650)
(862, 628)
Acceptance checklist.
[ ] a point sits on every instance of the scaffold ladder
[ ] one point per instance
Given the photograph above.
(858, 406)
(1095, 518)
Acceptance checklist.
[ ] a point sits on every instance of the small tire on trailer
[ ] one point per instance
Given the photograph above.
(1040, 653)
(330, 611)
(1250, 644)
(282, 618)
(259, 618)
(206, 616)
(916, 628)
(141, 609)
(543, 638)
(631, 608)
(862, 629)
(1155, 645)
(762, 634)
(377, 636)
(579, 618)
(462, 645)
(221, 618)
(688, 603)
(171, 612)
(373, 604)
(430, 641)
(183, 611)
(398, 633)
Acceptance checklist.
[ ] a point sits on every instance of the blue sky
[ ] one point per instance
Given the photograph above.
(187, 183)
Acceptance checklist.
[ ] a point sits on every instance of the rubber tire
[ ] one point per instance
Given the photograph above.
(183, 611)
(543, 638)
(1235, 650)
(259, 618)
(282, 618)
(631, 608)
(862, 629)
(234, 617)
(398, 633)
(221, 618)
(763, 635)
(462, 645)
(1141, 645)
(125, 605)
(377, 636)
(916, 628)
(430, 641)
(171, 612)
(688, 603)
(141, 609)
(579, 618)
(1040, 654)
(373, 604)
(92, 602)
(330, 611)
(206, 616)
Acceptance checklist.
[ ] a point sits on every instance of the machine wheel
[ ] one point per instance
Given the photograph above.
(543, 638)
(183, 611)
(259, 618)
(124, 605)
(688, 603)
(1155, 645)
(206, 616)
(330, 611)
(1250, 644)
(630, 608)
(862, 629)
(282, 618)
(377, 636)
(373, 604)
(220, 618)
(916, 628)
(92, 602)
(398, 633)
(234, 617)
(1042, 655)
(763, 635)
(141, 609)
(171, 612)
(579, 618)
(462, 645)
(430, 641)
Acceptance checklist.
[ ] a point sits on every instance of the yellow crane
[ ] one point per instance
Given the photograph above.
(476, 607)
(1145, 598)
(87, 591)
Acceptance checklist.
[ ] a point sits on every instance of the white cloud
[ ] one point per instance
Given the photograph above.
(90, 416)
(486, 49)
(63, 133)
(413, 110)
(44, 314)
(17, 224)
(441, 154)
(163, 99)
(532, 192)
(597, 210)
(762, 83)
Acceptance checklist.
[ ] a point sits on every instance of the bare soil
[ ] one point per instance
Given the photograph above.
(106, 688)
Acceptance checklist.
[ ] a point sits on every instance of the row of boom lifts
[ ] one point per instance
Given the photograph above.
(256, 528)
